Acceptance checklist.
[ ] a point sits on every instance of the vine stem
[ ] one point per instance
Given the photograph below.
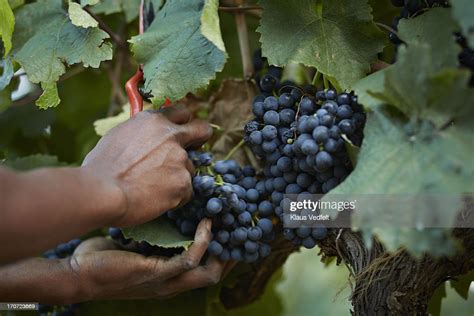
(234, 150)
(242, 32)
(115, 37)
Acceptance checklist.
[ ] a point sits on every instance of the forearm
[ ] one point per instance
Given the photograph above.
(42, 208)
(41, 280)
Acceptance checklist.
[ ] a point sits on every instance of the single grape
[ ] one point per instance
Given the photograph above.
(270, 103)
(266, 225)
(323, 160)
(331, 94)
(284, 164)
(265, 208)
(269, 132)
(215, 248)
(222, 236)
(251, 246)
(255, 233)
(308, 243)
(303, 231)
(268, 83)
(214, 206)
(309, 147)
(256, 138)
(321, 134)
(286, 100)
(271, 118)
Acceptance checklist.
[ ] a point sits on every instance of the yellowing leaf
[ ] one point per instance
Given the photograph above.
(79, 17)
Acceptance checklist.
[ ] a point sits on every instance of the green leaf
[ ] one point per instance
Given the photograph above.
(7, 72)
(49, 98)
(7, 23)
(45, 41)
(426, 101)
(159, 232)
(129, 7)
(79, 17)
(33, 162)
(463, 12)
(434, 305)
(103, 126)
(339, 38)
(182, 50)
(434, 28)
(462, 284)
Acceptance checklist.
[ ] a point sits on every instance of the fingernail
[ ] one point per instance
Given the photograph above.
(208, 224)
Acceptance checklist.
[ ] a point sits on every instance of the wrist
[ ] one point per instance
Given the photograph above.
(109, 200)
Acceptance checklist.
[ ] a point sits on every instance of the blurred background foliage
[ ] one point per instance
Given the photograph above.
(66, 134)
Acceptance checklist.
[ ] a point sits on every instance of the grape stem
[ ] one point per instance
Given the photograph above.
(233, 150)
(386, 27)
(326, 82)
(316, 77)
(217, 127)
(114, 36)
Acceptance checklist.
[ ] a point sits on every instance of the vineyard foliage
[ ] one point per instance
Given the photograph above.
(77, 56)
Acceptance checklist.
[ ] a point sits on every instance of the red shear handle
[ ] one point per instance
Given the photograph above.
(134, 97)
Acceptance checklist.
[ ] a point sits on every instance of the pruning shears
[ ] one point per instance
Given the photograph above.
(135, 98)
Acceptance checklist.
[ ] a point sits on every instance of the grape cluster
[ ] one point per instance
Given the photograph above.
(411, 8)
(223, 191)
(62, 250)
(300, 135)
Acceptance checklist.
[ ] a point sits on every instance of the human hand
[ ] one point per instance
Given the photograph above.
(146, 159)
(99, 269)
(108, 273)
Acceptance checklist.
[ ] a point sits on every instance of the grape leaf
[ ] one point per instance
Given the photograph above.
(339, 38)
(33, 162)
(406, 154)
(7, 23)
(129, 7)
(49, 97)
(159, 232)
(102, 126)
(7, 72)
(463, 11)
(182, 49)
(79, 17)
(434, 28)
(45, 40)
(426, 100)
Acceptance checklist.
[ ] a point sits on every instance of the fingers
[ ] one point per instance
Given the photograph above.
(190, 167)
(202, 276)
(189, 259)
(195, 133)
(177, 114)
(95, 244)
